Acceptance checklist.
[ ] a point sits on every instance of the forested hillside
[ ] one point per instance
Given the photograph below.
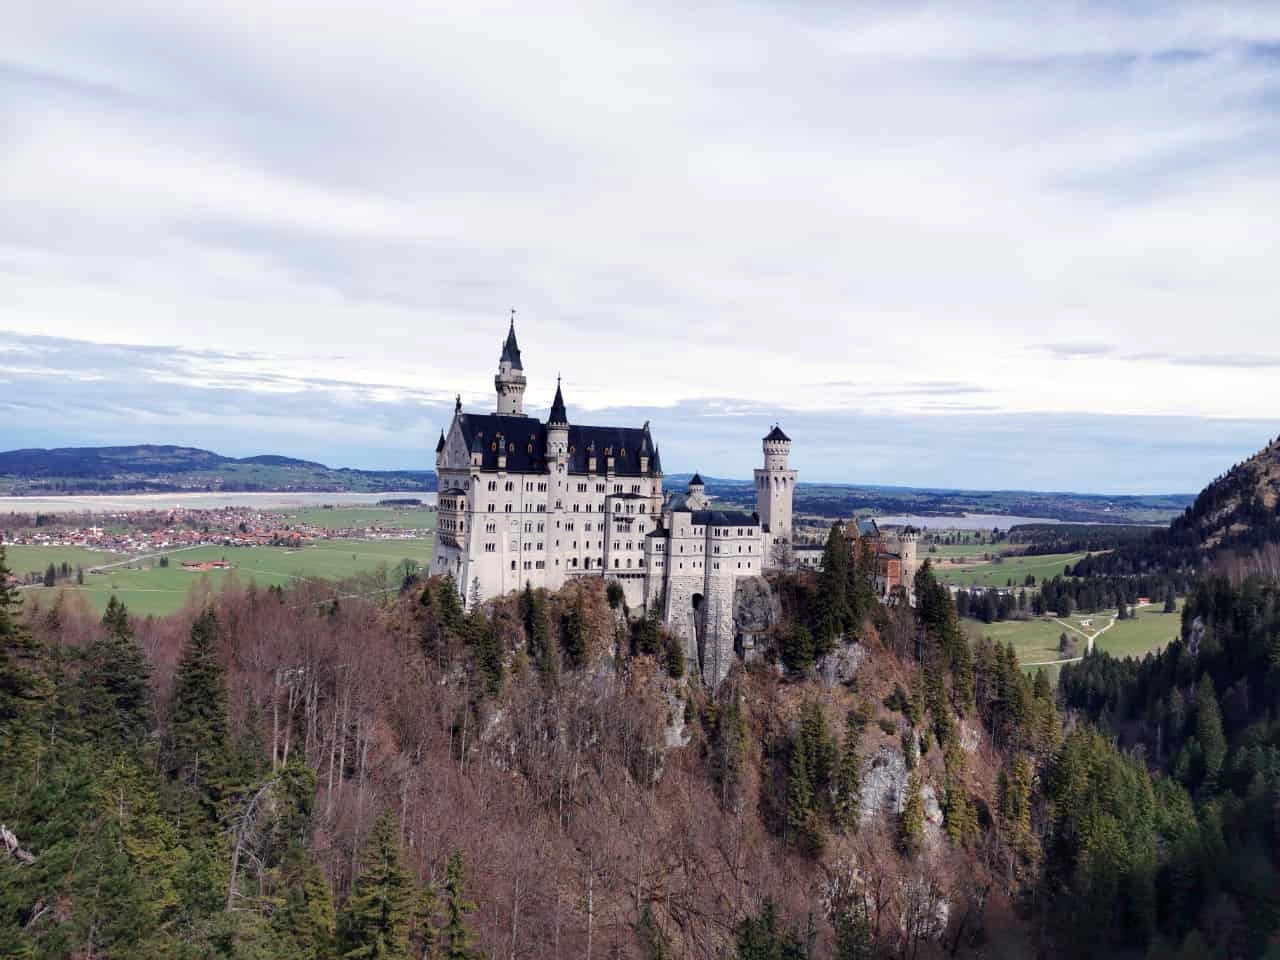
(282, 774)
(1233, 525)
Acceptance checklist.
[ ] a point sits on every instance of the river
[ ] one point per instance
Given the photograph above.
(122, 503)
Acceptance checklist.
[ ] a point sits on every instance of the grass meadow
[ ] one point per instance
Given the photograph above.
(998, 573)
(346, 518)
(147, 588)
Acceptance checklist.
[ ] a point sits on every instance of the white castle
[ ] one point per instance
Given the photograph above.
(526, 502)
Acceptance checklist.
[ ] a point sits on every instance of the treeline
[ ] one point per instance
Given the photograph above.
(1204, 713)
(1049, 538)
(1063, 596)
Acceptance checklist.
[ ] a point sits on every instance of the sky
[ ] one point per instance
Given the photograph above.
(1017, 245)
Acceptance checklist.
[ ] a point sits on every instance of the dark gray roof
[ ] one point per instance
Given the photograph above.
(867, 527)
(724, 518)
(510, 349)
(558, 412)
(440, 442)
(525, 440)
(777, 434)
(696, 481)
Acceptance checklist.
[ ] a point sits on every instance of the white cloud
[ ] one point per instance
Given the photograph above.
(802, 205)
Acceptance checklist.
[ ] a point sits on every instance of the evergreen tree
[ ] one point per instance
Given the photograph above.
(846, 786)
(960, 815)
(575, 634)
(1170, 601)
(25, 689)
(305, 920)
(116, 702)
(201, 748)
(1213, 743)
(375, 921)
(456, 936)
(911, 820)
(764, 938)
(799, 797)
(834, 613)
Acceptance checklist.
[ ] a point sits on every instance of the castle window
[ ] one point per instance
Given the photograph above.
(511, 448)
(528, 448)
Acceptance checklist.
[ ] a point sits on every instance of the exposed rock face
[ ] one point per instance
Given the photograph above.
(677, 733)
(970, 737)
(755, 610)
(841, 664)
(932, 817)
(1197, 634)
(884, 779)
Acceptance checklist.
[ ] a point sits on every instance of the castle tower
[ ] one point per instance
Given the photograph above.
(509, 382)
(557, 428)
(697, 493)
(908, 540)
(775, 485)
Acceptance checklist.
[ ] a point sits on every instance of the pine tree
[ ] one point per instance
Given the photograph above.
(834, 614)
(116, 702)
(306, 918)
(456, 936)
(575, 634)
(25, 689)
(846, 786)
(960, 814)
(375, 921)
(911, 820)
(201, 755)
(799, 795)
(1213, 743)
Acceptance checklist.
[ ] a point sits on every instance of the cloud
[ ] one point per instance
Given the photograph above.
(881, 211)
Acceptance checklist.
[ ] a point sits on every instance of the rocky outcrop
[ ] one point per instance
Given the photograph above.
(884, 780)
(755, 610)
(841, 664)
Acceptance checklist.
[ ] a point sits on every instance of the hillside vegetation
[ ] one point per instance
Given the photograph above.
(1233, 526)
(158, 469)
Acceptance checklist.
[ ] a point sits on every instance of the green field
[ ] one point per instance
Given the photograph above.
(1036, 640)
(345, 518)
(979, 574)
(1151, 630)
(149, 589)
(22, 559)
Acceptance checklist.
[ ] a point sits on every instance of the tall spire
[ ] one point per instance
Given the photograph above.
(511, 349)
(558, 413)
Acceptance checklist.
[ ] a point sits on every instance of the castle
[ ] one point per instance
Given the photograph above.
(522, 501)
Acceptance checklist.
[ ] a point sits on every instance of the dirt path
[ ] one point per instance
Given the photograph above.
(1090, 638)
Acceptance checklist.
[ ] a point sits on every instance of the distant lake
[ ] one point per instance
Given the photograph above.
(970, 521)
(118, 503)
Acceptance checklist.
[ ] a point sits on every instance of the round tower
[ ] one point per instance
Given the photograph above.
(697, 493)
(557, 428)
(775, 485)
(908, 541)
(509, 383)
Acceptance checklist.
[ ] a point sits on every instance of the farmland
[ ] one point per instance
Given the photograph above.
(22, 559)
(997, 573)
(148, 588)
(1036, 640)
(363, 518)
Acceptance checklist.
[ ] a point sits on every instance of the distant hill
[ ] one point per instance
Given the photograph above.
(150, 468)
(1233, 522)
(825, 501)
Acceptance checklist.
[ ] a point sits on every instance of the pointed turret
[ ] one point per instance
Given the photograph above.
(509, 382)
(559, 416)
(440, 443)
(511, 349)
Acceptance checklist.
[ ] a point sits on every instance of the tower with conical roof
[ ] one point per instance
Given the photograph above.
(557, 429)
(775, 486)
(509, 383)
